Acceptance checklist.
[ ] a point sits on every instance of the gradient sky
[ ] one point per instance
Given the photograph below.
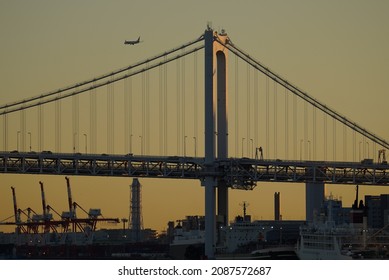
(335, 50)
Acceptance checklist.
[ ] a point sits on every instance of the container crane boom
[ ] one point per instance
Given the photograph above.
(43, 200)
(72, 210)
(16, 212)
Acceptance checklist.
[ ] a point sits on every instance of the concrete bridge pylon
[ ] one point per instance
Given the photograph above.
(216, 134)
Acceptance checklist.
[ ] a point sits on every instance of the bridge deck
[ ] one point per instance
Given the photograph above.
(239, 173)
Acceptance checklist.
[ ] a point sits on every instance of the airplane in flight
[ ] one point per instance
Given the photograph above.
(132, 42)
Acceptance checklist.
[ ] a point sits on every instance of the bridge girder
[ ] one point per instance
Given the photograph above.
(238, 173)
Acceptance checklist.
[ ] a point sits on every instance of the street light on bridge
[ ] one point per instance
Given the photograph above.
(141, 144)
(195, 146)
(185, 145)
(252, 147)
(86, 143)
(301, 149)
(29, 133)
(74, 142)
(17, 140)
(242, 144)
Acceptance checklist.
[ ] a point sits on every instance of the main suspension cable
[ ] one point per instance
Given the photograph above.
(259, 66)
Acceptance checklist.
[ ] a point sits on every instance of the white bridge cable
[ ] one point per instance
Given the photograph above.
(294, 89)
(6, 109)
(10, 106)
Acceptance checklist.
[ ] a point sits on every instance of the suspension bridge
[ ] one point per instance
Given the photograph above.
(148, 120)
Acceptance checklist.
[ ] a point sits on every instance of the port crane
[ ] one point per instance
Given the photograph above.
(38, 225)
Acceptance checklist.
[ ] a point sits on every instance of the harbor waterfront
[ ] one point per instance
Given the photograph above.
(336, 232)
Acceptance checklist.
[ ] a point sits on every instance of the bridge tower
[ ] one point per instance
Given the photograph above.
(216, 127)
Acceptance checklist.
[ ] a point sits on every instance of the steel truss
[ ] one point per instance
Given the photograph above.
(238, 173)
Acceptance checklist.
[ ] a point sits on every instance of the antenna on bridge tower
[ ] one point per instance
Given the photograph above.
(209, 25)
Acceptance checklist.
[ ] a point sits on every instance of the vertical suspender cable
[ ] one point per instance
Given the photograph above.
(286, 111)
(165, 108)
(130, 115)
(314, 144)
(294, 126)
(22, 130)
(195, 102)
(275, 119)
(58, 125)
(325, 136)
(178, 117)
(364, 146)
(354, 145)
(5, 132)
(248, 111)
(344, 143)
(93, 120)
(142, 136)
(147, 137)
(40, 124)
(126, 117)
(267, 119)
(75, 107)
(160, 111)
(334, 138)
(236, 107)
(113, 116)
(305, 129)
(256, 109)
(183, 111)
(110, 119)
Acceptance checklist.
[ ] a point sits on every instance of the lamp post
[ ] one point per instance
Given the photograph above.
(195, 146)
(301, 149)
(252, 147)
(185, 145)
(17, 140)
(74, 142)
(131, 143)
(29, 133)
(242, 145)
(141, 144)
(86, 143)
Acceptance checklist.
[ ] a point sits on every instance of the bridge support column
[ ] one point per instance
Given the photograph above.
(220, 61)
(209, 141)
(215, 117)
(314, 196)
(210, 216)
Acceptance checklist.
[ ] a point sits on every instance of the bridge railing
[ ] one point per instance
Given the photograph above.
(238, 173)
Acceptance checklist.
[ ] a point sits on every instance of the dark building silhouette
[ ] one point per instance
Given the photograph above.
(377, 210)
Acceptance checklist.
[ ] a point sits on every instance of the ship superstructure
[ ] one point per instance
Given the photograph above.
(332, 236)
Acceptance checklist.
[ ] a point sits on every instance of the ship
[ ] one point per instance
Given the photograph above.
(342, 234)
(326, 241)
(258, 239)
(242, 238)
